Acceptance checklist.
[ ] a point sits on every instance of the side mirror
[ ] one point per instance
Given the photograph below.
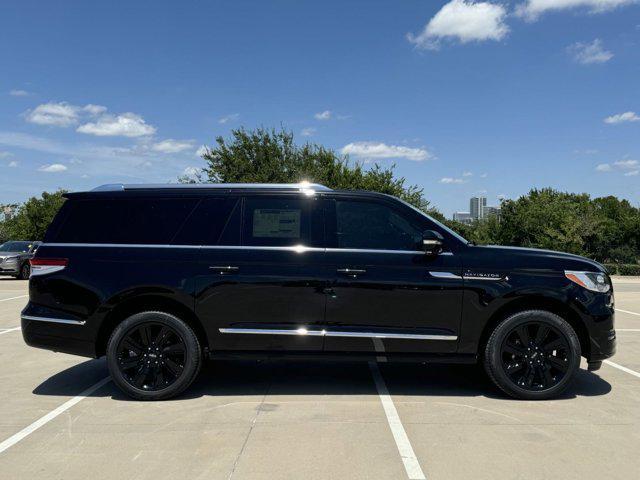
(432, 242)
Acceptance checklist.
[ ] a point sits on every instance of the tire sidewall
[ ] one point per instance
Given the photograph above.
(25, 271)
(506, 327)
(192, 356)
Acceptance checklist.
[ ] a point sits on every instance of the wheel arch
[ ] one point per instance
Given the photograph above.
(143, 303)
(537, 302)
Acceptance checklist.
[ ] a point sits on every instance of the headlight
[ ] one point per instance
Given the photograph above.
(11, 259)
(594, 281)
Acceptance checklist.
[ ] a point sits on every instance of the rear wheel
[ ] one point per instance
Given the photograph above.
(25, 271)
(533, 355)
(153, 356)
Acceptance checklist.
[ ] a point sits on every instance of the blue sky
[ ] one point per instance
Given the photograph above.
(464, 97)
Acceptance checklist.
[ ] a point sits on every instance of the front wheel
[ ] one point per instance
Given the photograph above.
(153, 356)
(533, 355)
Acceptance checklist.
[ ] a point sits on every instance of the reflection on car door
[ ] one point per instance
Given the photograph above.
(386, 293)
(261, 285)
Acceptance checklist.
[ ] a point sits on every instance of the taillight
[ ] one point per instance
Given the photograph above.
(42, 266)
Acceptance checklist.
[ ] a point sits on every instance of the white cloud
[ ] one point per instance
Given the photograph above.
(12, 164)
(19, 93)
(375, 150)
(308, 132)
(467, 174)
(172, 146)
(465, 21)
(450, 180)
(622, 117)
(53, 168)
(532, 9)
(590, 53)
(326, 115)
(229, 118)
(201, 151)
(483, 175)
(6, 154)
(628, 166)
(61, 114)
(124, 125)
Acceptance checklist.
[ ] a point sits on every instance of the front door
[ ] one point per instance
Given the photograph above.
(261, 287)
(386, 294)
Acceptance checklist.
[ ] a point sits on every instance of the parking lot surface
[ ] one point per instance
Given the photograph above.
(61, 417)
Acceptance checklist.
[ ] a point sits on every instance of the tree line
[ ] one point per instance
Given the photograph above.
(606, 229)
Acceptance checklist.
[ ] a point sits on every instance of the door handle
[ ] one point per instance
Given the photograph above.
(225, 269)
(351, 272)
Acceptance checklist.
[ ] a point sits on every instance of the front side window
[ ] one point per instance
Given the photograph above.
(371, 225)
(15, 247)
(270, 221)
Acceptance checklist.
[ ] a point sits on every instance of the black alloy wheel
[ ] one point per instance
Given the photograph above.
(533, 355)
(153, 356)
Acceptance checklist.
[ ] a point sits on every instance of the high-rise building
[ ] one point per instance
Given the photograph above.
(491, 212)
(477, 206)
(463, 217)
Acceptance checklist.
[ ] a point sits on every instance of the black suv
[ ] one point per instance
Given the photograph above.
(157, 278)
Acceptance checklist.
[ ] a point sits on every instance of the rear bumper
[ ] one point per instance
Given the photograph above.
(60, 334)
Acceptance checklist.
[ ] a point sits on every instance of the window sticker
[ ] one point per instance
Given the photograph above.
(276, 223)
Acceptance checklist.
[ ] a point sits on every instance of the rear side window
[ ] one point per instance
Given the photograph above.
(214, 221)
(125, 220)
(273, 221)
(370, 225)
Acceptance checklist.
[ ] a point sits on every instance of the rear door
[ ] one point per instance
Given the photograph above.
(386, 293)
(261, 284)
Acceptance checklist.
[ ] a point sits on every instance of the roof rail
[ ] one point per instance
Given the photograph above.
(118, 187)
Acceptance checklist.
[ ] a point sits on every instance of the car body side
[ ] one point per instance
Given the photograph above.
(103, 284)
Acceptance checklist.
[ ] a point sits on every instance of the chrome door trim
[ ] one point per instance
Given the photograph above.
(472, 277)
(447, 275)
(328, 333)
(66, 321)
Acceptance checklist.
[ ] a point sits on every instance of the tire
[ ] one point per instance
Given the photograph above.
(25, 271)
(153, 356)
(526, 367)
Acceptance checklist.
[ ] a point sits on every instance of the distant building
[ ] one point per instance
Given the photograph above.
(478, 210)
(6, 212)
(477, 206)
(463, 217)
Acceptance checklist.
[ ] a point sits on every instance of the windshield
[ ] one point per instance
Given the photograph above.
(15, 247)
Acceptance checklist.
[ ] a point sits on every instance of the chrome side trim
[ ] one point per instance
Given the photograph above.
(328, 333)
(447, 275)
(294, 248)
(267, 331)
(472, 277)
(53, 320)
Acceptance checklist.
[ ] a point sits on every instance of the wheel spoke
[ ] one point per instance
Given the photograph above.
(528, 381)
(159, 379)
(541, 334)
(558, 363)
(128, 363)
(140, 377)
(554, 344)
(523, 334)
(130, 344)
(514, 367)
(173, 349)
(162, 334)
(513, 349)
(145, 335)
(173, 367)
(546, 375)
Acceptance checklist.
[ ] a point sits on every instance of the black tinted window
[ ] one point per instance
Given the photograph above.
(209, 221)
(125, 220)
(272, 221)
(368, 225)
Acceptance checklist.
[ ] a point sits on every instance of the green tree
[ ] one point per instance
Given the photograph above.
(32, 218)
(271, 156)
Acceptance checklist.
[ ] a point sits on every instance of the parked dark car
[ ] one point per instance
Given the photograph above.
(14, 258)
(158, 278)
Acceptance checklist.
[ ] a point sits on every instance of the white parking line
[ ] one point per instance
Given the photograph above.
(627, 311)
(12, 298)
(627, 329)
(7, 330)
(624, 369)
(9, 442)
(411, 465)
